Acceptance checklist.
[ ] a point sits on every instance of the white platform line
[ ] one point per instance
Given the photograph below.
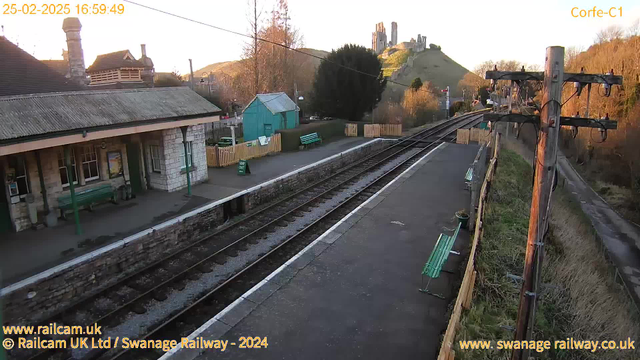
(256, 287)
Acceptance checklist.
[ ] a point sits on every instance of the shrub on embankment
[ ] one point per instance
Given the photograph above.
(326, 129)
(580, 298)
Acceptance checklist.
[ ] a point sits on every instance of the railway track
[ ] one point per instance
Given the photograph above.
(179, 292)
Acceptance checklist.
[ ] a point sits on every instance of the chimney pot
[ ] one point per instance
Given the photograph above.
(143, 48)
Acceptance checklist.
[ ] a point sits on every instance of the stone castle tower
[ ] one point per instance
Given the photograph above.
(394, 34)
(379, 39)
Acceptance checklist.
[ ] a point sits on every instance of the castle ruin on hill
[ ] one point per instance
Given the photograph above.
(379, 40)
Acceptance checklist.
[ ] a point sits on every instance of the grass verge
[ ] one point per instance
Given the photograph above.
(580, 298)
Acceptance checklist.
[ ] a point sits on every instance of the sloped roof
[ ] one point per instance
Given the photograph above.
(60, 66)
(114, 60)
(55, 114)
(276, 102)
(21, 73)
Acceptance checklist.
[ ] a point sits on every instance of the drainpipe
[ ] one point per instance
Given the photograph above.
(43, 190)
(67, 160)
(186, 157)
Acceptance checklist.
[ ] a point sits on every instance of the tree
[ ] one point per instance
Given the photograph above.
(168, 80)
(416, 84)
(610, 33)
(344, 93)
(419, 106)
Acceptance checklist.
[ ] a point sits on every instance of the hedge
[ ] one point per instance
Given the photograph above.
(326, 129)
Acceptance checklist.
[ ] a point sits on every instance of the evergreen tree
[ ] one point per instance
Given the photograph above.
(344, 93)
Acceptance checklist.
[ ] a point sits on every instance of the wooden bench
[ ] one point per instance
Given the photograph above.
(310, 139)
(87, 198)
(438, 257)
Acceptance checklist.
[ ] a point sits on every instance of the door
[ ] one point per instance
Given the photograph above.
(268, 130)
(133, 159)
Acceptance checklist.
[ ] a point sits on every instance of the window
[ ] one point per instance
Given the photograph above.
(90, 163)
(20, 183)
(64, 179)
(189, 154)
(154, 151)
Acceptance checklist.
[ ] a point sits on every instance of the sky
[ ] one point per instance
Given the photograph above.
(470, 32)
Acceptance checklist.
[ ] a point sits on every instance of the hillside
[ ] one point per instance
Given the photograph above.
(429, 65)
(231, 68)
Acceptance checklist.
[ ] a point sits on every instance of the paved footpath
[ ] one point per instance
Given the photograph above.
(621, 237)
(353, 293)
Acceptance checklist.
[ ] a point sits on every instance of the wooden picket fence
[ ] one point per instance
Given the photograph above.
(225, 156)
(465, 136)
(465, 294)
(351, 130)
(377, 130)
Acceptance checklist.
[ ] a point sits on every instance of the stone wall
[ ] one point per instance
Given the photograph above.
(59, 287)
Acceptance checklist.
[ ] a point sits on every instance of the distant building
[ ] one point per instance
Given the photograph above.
(394, 34)
(379, 39)
(120, 69)
(117, 70)
(267, 113)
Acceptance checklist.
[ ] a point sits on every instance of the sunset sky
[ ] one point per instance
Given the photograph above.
(470, 32)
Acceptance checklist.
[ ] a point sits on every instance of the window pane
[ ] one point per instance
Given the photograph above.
(93, 168)
(63, 176)
(85, 170)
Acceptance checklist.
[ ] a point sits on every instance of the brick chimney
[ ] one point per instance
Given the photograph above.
(71, 27)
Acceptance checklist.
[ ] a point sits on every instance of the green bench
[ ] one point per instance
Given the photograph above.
(87, 198)
(468, 177)
(438, 257)
(310, 139)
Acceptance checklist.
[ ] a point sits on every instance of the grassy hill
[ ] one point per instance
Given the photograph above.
(231, 68)
(430, 65)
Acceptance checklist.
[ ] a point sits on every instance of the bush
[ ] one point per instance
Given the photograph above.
(419, 106)
(326, 129)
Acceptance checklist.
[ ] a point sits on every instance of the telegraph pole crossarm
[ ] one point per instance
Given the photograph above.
(564, 120)
(539, 76)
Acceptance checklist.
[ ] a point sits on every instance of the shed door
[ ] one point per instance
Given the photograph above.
(268, 130)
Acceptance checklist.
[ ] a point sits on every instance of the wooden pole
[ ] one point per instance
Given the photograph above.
(542, 187)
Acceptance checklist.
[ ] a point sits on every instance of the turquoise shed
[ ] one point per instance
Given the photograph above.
(267, 113)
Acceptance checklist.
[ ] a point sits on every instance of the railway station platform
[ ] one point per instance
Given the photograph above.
(30, 252)
(353, 292)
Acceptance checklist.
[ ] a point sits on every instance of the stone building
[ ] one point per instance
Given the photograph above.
(394, 34)
(379, 39)
(54, 138)
(117, 70)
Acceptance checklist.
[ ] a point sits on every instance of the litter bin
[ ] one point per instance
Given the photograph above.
(32, 208)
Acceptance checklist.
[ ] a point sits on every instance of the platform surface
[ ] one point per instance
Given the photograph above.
(357, 295)
(29, 252)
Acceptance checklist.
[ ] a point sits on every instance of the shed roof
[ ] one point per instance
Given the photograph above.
(21, 73)
(55, 114)
(115, 60)
(276, 102)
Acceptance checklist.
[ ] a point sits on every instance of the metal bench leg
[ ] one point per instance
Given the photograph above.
(427, 291)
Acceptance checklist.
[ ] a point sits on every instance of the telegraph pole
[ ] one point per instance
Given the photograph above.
(545, 167)
(550, 122)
